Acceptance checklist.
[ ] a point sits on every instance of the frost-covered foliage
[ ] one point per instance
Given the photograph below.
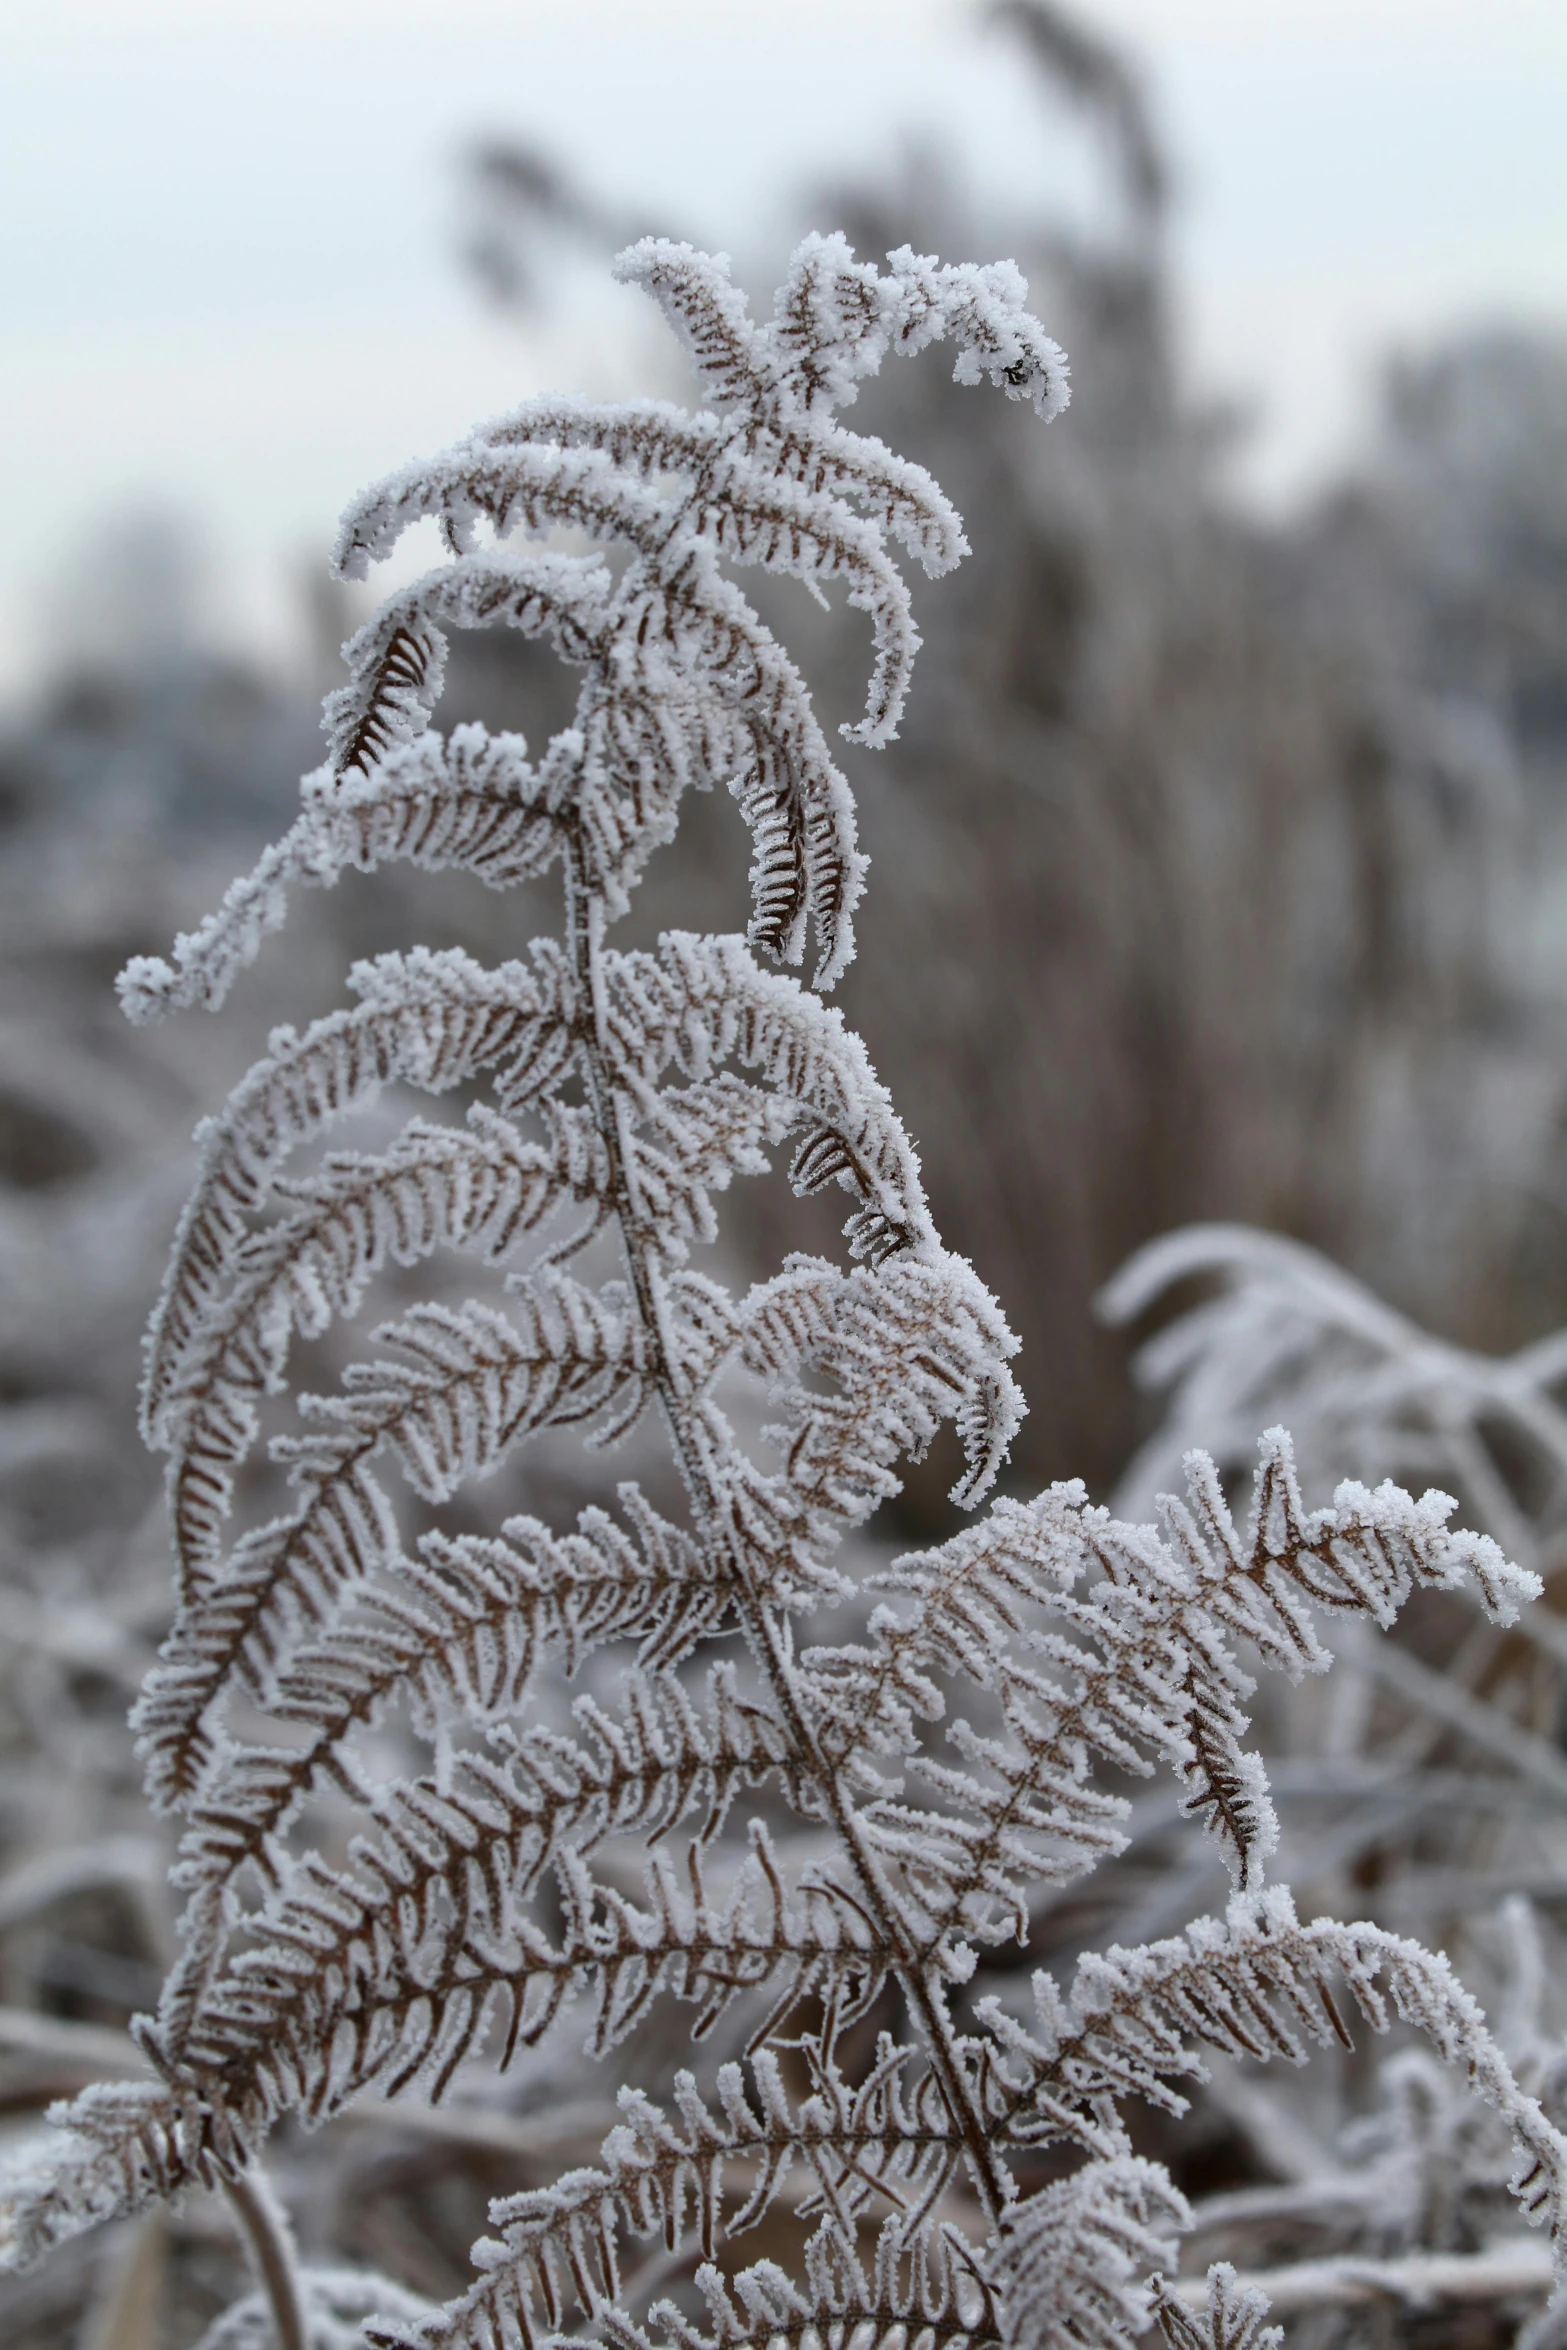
(1226, 805)
(1281, 1331)
(94, 1125)
(814, 1806)
(1261, 820)
(1274, 1329)
(1433, 1776)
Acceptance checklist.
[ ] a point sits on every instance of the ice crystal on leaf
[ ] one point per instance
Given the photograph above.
(907, 2105)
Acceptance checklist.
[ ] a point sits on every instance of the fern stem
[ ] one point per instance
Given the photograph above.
(767, 1640)
(269, 2243)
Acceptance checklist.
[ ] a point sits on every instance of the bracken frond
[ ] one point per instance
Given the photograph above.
(431, 1021)
(559, 2248)
(460, 1634)
(397, 660)
(521, 1852)
(1255, 1984)
(399, 665)
(438, 1187)
(927, 2288)
(1235, 2317)
(475, 1383)
(473, 804)
(1069, 2262)
(1159, 1609)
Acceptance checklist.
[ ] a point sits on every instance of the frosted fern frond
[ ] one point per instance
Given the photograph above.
(929, 2287)
(1120, 1641)
(559, 2251)
(429, 1021)
(397, 660)
(461, 1635)
(474, 1383)
(1070, 2261)
(1283, 1333)
(836, 319)
(308, 2016)
(594, 1812)
(910, 1345)
(1257, 1984)
(472, 804)
(1235, 2317)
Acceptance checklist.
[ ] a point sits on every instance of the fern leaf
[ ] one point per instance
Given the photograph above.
(810, 535)
(437, 1187)
(1257, 1984)
(1161, 1680)
(508, 488)
(702, 1001)
(708, 314)
(893, 491)
(407, 1952)
(559, 2248)
(460, 1633)
(774, 758)
(646, 437)
(1362, 1555)
(1235, 2317)
(834, 318)
(474, 1385)
(298, 2026)
(399, 666)
(650, 437)
(118, 2147)
(912, 1345)
(473, 803)
(928, 2288)
(983, 1601)
(397, 659)
(489, 1885)
(1070, 2262)
(429, 1021)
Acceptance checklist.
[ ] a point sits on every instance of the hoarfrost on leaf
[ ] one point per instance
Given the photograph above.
(958, 1753)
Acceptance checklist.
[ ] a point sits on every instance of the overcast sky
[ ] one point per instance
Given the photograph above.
(227, 232)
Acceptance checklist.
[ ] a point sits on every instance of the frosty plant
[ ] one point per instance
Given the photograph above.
(954, 2165)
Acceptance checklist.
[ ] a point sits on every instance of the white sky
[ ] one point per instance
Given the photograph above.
(227, 272)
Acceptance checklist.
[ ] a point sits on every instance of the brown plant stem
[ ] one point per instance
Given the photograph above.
(768, 1642)
(269, 2244)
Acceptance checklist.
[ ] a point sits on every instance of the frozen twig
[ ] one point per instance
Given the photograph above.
(1519, 2269)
